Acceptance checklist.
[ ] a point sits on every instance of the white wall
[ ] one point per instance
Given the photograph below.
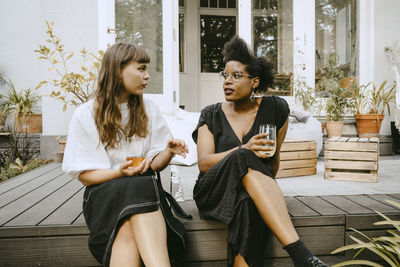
(23, 29)
(387, 30)
(20, 34)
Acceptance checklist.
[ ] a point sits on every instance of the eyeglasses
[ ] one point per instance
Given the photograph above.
(236, 77)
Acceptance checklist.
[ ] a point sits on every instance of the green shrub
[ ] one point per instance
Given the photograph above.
(386, 247)
(19, 157)
(17, 168)
(19, 146)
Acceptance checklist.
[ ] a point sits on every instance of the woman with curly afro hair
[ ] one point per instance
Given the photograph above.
(236, 182)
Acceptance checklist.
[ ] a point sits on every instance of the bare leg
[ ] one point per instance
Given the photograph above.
(151, 237)
(271, 205)
(124, 250)
(239, 261)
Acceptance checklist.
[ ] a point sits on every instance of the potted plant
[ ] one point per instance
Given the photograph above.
(62, 141)
(73, 83)
(370, 106)
(310, 103)
(338, 101)
(21, 104)
(336, 106)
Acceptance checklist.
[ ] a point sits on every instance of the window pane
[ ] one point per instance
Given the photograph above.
(256, 4)
(273, 4)
(213, 3)
(264, 4)
(181, 42)
(232, 3)
(335, 38)
(181, 2)
(203, 3)
(215, 31)
(134, 29)
(273, 38)
(265, 38)
(222, 3)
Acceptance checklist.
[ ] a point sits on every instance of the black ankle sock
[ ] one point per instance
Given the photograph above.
(298, 252)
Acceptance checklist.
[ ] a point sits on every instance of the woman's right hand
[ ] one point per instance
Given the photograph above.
(258, 143)
(125, 170)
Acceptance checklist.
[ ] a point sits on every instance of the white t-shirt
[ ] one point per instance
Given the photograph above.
(84, 151)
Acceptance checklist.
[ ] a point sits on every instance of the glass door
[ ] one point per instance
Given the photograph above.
(218, 25)
(152, 24)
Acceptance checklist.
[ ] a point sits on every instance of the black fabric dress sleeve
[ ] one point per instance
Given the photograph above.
(206, 117)
(282, 113)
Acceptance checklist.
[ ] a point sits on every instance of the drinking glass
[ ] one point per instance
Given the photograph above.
(136, 160)
(269, 129)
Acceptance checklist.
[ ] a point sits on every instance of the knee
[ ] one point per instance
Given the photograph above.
(255, 177)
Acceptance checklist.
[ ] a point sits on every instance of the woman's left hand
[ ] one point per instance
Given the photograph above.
(177, 146)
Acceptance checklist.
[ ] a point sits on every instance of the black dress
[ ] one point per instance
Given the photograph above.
(219, 193)
(107, 205)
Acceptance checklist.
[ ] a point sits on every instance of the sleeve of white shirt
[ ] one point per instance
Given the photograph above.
(84, 151)
(158, 130)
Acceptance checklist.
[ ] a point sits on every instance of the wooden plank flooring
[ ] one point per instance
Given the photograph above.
(41, 223)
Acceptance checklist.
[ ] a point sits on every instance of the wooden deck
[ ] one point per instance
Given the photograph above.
(41, 223)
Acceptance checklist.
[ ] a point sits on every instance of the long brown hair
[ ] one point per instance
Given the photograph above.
(107, 113)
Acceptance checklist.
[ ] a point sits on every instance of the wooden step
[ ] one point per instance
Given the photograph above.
(42, 223)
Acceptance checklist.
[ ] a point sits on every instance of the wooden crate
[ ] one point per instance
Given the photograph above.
(298, 158)
(352, 159)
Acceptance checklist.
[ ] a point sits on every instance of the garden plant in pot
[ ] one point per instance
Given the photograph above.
(307, 96)
(338, 101)
(22, 105)
(73, 83)
(370, 106)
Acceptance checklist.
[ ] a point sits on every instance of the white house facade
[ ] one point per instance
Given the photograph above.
(185, 37)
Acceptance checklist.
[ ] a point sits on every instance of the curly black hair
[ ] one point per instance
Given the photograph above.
(237, 49)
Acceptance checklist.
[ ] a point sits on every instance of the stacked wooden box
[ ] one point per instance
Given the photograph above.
(352, 159)
(297, 158)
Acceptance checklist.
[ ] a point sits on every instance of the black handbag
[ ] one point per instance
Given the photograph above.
(176, 232)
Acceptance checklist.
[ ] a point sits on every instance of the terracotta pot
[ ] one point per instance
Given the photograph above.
(62, 145)
(368, 125)
(334, 128)
(31, 123)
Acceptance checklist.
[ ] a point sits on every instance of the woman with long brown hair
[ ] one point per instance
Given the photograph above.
(121, 203)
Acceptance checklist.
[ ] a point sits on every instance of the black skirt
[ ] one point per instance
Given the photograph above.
(106, 206)
(220, 195)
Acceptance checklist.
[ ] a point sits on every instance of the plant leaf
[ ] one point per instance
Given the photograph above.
(362, 262)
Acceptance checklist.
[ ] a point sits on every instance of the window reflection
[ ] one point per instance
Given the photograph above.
(266, 35)
(134, 29)
(273, 38)
(335, 39)
(215, 31)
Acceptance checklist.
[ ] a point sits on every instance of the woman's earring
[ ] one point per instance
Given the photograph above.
(252, 97)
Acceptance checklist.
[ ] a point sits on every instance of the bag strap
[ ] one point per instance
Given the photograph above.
(176, 207)
(172, 202)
